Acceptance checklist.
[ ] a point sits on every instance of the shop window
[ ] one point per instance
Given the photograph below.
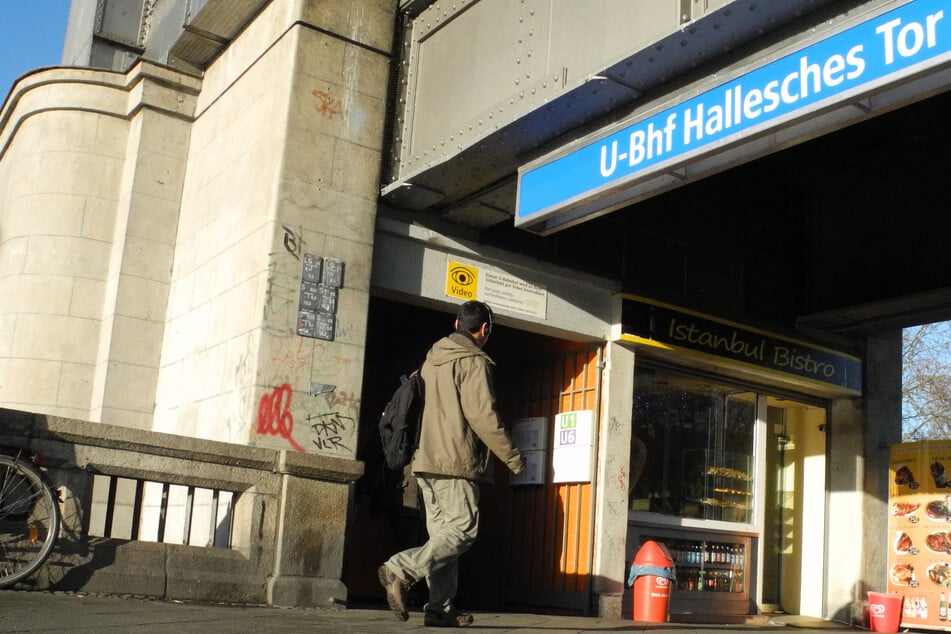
(692, 447)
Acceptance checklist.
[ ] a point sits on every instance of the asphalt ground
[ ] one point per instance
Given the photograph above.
(26, 611)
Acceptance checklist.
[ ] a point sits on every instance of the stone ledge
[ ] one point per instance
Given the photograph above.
(31, 427)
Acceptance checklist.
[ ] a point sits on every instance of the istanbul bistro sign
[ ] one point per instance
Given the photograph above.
(569, 186)
(656, 323)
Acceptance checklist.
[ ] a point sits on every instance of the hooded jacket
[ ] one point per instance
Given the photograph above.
(460, 424)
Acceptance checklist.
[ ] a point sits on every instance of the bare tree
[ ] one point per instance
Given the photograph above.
(926, 382)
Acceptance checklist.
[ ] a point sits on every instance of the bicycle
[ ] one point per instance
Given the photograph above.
(29, 517)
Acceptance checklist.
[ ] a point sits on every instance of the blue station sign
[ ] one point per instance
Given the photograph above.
(567, 187)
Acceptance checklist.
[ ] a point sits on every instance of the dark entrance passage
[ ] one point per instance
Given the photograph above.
(519, 559)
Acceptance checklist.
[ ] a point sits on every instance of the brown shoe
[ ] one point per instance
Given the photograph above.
(447, 619)
(395, 591)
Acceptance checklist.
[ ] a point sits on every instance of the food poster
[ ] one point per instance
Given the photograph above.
(919, 523)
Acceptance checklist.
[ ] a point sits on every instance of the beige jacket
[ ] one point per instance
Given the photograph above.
(460, 423)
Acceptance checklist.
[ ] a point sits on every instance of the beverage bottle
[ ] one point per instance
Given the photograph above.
(942, 609)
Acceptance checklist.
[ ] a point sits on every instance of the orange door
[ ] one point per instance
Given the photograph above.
(543, 532)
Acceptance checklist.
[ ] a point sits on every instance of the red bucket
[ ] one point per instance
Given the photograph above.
(884, 611)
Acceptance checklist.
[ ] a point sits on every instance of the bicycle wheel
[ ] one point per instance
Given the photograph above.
(29, 520)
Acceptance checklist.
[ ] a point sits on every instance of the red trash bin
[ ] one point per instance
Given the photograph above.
(651, 573)
(884, 611)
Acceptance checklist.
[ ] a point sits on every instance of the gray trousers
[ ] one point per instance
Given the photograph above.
(452, 521)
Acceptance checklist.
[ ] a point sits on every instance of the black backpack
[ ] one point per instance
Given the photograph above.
(400, 421)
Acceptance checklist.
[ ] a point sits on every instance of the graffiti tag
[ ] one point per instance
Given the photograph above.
(293, 243)
(328, 428)
(328, 105)
(274, 415)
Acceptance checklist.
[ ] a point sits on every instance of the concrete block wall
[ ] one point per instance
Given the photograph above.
(284, 161)
(58, 183)
(217, 297)
(69, 183)
(154, 269)
(327, 205)
(140, 263)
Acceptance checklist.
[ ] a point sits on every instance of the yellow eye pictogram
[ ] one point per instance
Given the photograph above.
(462, 281)
(461, 275)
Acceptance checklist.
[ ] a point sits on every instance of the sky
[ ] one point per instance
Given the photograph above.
(31, 36)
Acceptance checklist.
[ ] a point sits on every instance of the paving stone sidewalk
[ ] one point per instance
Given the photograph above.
(77, 613)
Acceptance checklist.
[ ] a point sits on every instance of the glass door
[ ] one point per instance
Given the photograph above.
(794, 518)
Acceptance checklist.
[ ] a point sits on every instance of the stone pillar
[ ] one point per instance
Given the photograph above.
(322, 241)
(613, 481)
(143, 239)
(846, 505)
(861, 431)
(883, 380)
(312, 520)
(327, 192)
(283, 170)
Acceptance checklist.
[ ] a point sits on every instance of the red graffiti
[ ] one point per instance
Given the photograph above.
(327, 105)
(294, 360)
(274, 415)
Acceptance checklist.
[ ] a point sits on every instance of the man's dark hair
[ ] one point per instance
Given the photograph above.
(472, 315)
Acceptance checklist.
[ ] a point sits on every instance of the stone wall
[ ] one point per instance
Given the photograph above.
(154, 228)
(283, 167)
(90, 177)
(288, 523)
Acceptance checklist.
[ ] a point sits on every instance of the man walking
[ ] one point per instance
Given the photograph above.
(460, 427)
